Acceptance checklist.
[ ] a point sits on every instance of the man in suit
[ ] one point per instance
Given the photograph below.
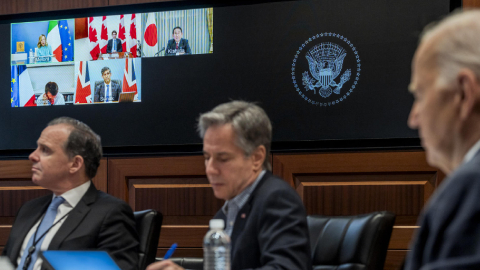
(77, 216)
(446, 86)
(109, 90)
(178, 45)
(264, 216)
(114, 44)
(51, 96)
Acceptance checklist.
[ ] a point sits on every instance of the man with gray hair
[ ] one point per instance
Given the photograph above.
(264, 216)
(77, 216)
(446, 111)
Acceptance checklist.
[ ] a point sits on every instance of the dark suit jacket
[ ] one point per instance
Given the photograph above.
(98, 222)
(449, 236)
(273, 233)
(110, 45)
(182, 47)
(100, 91)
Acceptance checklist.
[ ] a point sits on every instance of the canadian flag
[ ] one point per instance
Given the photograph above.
(83, 93)
(150, 41)
(133, 37)
(104, 36)
(121, 33)
(129, 80)
(92, 36)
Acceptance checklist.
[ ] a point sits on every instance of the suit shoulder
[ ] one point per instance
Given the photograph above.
(466, 177)
(274, 186)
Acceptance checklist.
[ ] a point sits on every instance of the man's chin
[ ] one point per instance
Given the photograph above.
(35, 181)
(219, 195)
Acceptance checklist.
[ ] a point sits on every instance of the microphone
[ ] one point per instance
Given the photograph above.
(163, 49)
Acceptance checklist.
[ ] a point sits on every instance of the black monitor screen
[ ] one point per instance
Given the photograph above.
(322, 70)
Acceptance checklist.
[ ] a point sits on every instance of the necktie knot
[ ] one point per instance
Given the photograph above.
(56, 202)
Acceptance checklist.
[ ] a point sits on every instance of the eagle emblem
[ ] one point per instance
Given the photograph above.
(325, 62)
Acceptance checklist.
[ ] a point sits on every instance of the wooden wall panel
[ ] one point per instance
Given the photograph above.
(356, 183)
(182, 201)
(334, 195)
(175, 186)
(471, 3)
(394, 259)
(121, 170)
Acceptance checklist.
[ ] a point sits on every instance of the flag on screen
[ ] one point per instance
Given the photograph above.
(129, 78)
(83, 93)
(150, 40)
(15, 100)
(53, 39)
(133, 37)
(66, 39)
(104, 36)
(22, 90)
(121, 33)
(92, 36)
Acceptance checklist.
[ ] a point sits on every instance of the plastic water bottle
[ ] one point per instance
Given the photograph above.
(216, 247)
(31, 59)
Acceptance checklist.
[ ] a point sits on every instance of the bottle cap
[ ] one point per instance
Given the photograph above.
(217, 224)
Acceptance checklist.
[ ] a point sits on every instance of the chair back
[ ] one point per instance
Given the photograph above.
(148, 223)
(350, 242)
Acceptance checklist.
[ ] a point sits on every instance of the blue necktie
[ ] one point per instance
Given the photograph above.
(114, 45)
(45, 225)
(108, 93)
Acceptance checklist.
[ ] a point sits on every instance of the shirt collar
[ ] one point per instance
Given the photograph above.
(74, 195)
(471, 153)
(242, 198)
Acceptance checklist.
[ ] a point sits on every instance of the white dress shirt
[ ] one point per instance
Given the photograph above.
(72, 197)
(471, 153)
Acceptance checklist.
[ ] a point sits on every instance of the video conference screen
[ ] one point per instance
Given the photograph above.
(322, 70)
(98, 60)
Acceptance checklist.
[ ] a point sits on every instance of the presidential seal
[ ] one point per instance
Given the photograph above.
(326, 69)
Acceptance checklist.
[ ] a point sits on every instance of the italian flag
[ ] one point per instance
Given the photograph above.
(53, 39)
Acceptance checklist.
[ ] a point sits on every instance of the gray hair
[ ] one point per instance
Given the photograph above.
(82, 141)
(250, 124)
(458, 45)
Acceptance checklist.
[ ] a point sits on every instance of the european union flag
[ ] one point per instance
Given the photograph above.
(15, 99)
(66, 35)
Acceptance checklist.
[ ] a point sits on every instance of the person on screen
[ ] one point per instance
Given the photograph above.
(445, 83)
(109, 90)
(44, 51)
(51, 96)
(76, 216)
(177, 45)
(264, 216)
(114, 45)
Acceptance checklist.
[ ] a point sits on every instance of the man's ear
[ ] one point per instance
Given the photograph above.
(469, 90)
(77, 164)
(258, 157)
